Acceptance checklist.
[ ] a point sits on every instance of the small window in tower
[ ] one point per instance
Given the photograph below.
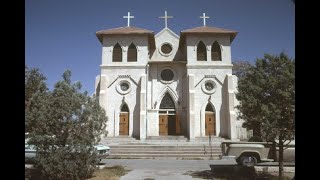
(215, 52)
(201, 52)
(117, 53)
(132, 53)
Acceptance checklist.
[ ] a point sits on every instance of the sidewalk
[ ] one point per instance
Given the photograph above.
(272, 167)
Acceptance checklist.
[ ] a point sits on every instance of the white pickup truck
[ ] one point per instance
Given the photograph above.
(251, 153)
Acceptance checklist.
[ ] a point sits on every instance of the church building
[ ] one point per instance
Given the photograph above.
(166, 84)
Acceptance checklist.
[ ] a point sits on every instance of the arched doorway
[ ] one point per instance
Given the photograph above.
(210, 120)
(169, 123)
(124, 120)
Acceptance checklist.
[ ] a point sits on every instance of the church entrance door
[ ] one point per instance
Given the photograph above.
(210, 124)
(124, 123)
(163, 125)
(169, 123)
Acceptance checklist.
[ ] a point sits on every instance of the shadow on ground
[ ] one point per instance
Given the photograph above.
(246, 173)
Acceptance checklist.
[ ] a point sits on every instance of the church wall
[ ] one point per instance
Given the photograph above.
(140, 41)
(223, 40)
(114, 99)
(202, 98)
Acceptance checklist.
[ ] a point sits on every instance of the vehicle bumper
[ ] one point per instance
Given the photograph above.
(227, 157)
(103, 156)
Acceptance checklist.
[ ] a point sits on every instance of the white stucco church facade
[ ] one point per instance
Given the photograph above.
(168, 85)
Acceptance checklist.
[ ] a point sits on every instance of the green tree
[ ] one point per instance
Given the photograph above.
(34, 83)
(66, 124)
(266, 97)
(239, 68)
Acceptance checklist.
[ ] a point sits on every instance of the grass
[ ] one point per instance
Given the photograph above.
(106, 173)
(109, 173)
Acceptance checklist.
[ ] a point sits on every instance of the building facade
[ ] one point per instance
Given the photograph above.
(168, 85)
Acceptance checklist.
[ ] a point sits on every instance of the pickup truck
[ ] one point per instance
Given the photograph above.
(251, 153)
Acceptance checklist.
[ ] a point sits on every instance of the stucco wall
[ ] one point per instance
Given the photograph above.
(140, 41)
(223, 40)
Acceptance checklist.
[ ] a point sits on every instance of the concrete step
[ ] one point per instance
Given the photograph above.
(166, 138)
(163, 152)
(166, 149)
(162, 146)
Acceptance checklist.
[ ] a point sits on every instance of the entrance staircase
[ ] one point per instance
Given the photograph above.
(160, 147)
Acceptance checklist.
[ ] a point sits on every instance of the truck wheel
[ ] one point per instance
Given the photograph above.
(248, 160)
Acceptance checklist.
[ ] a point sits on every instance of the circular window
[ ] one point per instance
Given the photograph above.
(167, 75)
(209, 87)
(166, 48)
(123, 87)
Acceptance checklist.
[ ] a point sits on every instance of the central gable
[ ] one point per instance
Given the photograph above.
(167, 43)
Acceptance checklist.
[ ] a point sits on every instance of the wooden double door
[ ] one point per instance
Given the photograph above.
(169, 125)
(210, 123)
(124, 123)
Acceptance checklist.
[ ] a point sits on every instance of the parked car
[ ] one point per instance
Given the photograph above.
(251, 153)
(103, 151)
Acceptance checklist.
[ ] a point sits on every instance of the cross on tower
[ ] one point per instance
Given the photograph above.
(166, 18)
(204, 18)
(128, 17)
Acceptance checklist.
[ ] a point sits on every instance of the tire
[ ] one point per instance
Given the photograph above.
(248, 160)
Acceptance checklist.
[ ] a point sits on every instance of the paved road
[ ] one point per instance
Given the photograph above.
(167, 169)
(159, 169)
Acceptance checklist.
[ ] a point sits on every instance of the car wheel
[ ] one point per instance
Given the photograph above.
(248, 161)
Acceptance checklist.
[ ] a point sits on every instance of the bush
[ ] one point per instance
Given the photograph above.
(65, 124)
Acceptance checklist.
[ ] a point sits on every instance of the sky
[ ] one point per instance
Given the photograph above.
(60, 34)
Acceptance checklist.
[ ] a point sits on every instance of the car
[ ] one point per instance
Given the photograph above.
(103, 151)
(251, 153)
(30, 152)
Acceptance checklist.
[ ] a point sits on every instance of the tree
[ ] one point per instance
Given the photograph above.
(34, 83)
(240, 68)
(66, 124)
(266, 97)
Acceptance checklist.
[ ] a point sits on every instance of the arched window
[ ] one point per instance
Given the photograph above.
(216, 52)
(132, 53)
(201, 52)
(125, 108)
(167, 102)
(117, 53)
(209, 108)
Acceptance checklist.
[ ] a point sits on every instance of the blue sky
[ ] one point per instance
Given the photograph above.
(60, 34)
